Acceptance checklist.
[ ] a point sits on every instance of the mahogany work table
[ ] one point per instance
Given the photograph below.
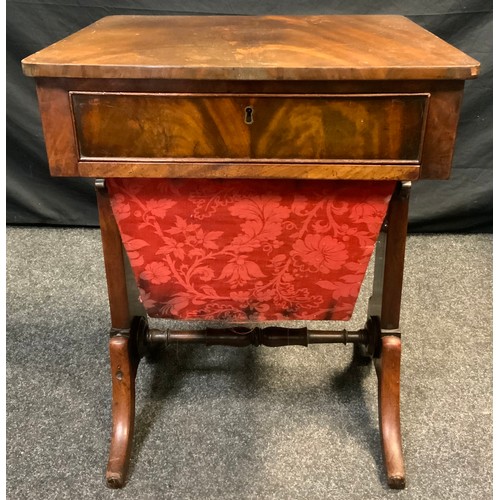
(364, 103)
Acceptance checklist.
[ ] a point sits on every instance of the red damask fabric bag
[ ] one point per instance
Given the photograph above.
(249, 250)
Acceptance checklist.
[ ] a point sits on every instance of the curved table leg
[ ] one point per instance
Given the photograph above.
(123, 341)
(123, 370)
(388, 372)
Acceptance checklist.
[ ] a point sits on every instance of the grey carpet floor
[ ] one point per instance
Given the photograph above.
(254, 423)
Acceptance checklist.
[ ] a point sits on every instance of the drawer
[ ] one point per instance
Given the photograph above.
(154, 127)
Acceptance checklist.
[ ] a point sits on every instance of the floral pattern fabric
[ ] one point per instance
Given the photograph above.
(249, 250)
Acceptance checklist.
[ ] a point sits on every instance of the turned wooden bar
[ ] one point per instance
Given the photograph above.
(243, 337)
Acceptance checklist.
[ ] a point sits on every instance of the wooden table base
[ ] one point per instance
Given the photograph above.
(379, 339)
(126, 347)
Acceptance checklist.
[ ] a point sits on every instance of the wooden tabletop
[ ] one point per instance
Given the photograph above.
(253, 48)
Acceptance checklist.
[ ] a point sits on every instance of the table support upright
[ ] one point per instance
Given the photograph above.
(122, 348)
(385, 305)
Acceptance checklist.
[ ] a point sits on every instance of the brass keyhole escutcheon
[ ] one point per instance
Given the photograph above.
(249, 115)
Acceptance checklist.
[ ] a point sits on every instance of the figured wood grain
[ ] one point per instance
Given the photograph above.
(374, 128)
(305, 87)
(351, 171)
(57, 125)
(64, 158)
(253, 48)
(440, 134)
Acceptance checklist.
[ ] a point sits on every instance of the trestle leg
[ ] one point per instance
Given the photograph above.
(124, 364)
(388, 372)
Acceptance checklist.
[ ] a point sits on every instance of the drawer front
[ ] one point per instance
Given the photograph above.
(366, 128)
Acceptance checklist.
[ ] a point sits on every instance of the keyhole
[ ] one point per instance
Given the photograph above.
(248, 115)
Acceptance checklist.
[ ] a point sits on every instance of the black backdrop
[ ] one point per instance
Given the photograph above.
(463, 204)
